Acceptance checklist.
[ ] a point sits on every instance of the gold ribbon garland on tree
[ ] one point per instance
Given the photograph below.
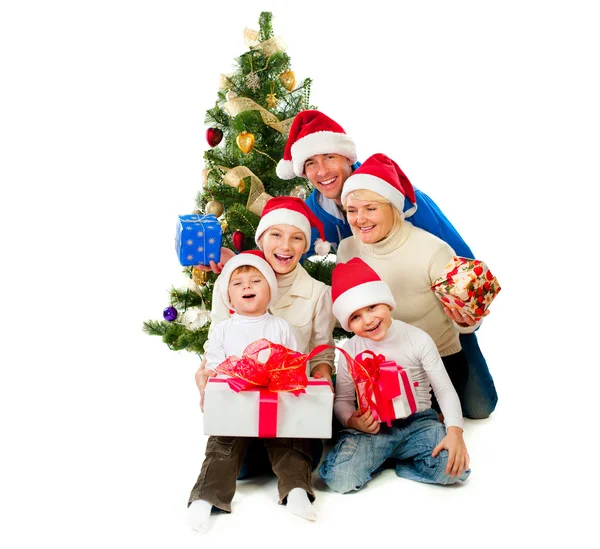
(234, 177)
(268, 47)
(237, 105)
(225, 81)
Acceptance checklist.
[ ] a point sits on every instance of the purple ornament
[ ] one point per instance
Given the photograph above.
(170, 314)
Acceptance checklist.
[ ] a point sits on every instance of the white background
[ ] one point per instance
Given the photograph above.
(490, 108)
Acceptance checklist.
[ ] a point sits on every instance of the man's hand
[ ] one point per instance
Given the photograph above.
(365, 423)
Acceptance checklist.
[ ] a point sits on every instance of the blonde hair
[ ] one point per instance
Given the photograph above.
(372, 196)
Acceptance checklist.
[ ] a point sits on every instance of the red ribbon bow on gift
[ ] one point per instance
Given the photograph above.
(377, 383)
(284, 370)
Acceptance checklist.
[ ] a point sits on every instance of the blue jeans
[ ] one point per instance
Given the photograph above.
(409, 442)
(479, 398)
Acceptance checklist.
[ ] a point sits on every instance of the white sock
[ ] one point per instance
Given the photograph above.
(299, 504)
(198, 515)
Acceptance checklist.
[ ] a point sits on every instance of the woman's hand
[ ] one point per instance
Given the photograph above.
(458, 458)
(226, 255)
(365, 422)
(462, 319)
(202, 375)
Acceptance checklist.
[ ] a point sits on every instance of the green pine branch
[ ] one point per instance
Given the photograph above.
(265, 21)
(178, 337)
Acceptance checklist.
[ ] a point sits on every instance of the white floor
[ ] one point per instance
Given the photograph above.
(110, 462)
(490, 109)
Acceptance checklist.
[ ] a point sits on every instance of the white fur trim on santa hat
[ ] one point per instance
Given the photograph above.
(377, 185)
(252, 261)
(363, 295)
(321, 143)
(285, 169)
(283, 216)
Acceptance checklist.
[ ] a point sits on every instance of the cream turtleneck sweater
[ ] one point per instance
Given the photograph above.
(409, 260)
(284, 284)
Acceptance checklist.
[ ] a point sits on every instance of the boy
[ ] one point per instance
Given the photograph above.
(419, 445)
(249, 287)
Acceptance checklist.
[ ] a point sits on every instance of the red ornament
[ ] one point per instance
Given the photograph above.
(214, 136)
(238, 240)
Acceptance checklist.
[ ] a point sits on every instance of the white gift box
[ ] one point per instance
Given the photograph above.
(242, 414)
(401, 407)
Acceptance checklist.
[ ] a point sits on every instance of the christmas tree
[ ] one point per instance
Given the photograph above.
(247, 132)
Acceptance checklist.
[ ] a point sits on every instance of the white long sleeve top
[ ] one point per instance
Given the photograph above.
(233, 335)
(416, 352)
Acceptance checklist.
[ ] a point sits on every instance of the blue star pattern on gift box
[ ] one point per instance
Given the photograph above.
(198, 239)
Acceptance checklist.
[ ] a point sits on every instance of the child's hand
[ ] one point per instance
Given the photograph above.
(202, 376)
(323, 371)
(365, 423)
(458, 458)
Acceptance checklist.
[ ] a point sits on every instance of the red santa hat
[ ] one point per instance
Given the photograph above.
(380, 174)
(251, 258)
(312, 133)
(355, 285)
(290, 210)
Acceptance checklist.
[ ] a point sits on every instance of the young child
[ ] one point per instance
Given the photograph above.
(249, 287)
(419, 445)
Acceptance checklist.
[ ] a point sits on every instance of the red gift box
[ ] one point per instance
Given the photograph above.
(382, 386)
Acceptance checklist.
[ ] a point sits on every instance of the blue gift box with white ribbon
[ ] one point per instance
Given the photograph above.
(198, 239)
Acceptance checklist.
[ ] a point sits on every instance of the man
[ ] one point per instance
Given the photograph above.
(319, 149)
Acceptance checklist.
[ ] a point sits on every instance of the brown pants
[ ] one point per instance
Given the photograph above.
(290, 459)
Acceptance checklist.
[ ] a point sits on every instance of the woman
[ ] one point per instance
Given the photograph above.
(409, 259)
(283, 235)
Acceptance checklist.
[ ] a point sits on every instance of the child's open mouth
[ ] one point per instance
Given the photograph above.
(283, 258)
